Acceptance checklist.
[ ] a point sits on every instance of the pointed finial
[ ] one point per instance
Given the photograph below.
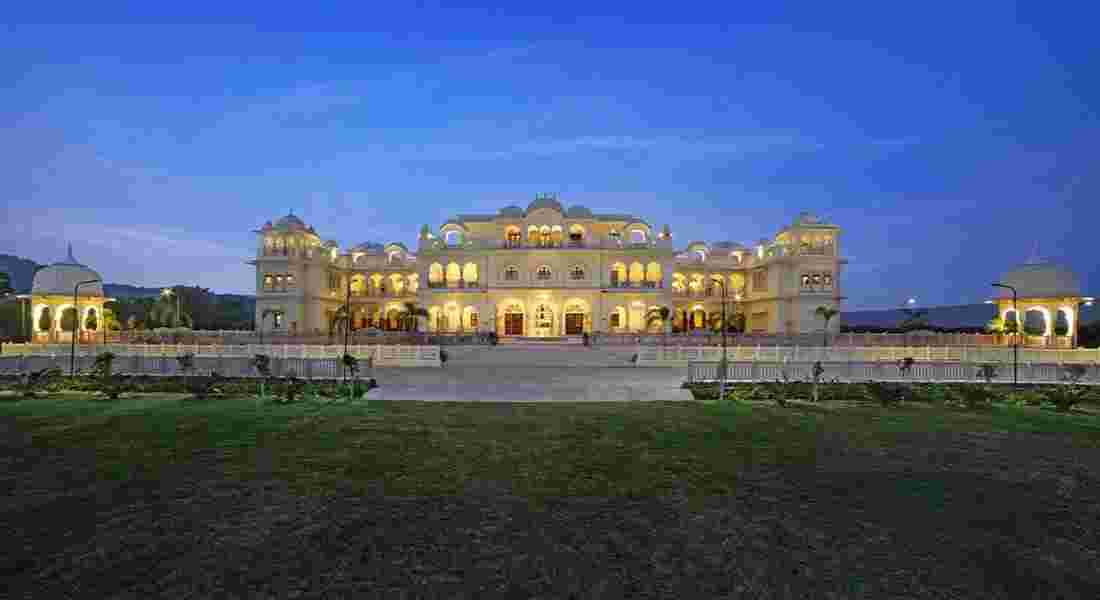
(70, 256)
(1034, 258)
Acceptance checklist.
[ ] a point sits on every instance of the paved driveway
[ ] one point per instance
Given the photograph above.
(475, 383)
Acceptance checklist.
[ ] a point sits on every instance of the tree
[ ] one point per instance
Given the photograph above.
(915, 318)
(412, 311)
(45, 319)
(5, 284)
(68, 319)
(996, 326)
(826, 313)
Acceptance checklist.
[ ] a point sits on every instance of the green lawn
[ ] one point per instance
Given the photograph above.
(539, 449)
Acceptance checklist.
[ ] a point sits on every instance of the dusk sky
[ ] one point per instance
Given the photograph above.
(947, 140)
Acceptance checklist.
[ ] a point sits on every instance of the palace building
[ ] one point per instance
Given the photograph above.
(547, 271)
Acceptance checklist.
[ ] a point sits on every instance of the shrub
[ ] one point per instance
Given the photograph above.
(988, 372)
(1073, 373)
(935, 393)
(887, 394)
(1025, 398)
(204, 386)
(350, 363)
(442, 356)
(973, 396)
(1065, 397)
(103, 381)
(33, 382)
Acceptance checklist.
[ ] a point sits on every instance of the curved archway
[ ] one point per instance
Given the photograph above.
(637, 272)
(435, 275)
(512, 236)
(454, 273)
(653, 274)
(618, 274)
(1063, 322)
(575, 315)
(1037, 321)
(469, 273)
(510, 317)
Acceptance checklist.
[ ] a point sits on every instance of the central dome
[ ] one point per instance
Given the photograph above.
(60, 278)
(544, 202)
(1040, 280)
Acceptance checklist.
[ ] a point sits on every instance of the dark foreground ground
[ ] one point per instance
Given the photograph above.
(938, 515)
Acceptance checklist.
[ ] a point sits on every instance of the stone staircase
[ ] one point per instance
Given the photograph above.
(517, 353)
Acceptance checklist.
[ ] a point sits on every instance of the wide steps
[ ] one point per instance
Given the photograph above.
(533, 355)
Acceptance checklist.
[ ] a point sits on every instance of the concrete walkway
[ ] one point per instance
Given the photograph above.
(530, 384)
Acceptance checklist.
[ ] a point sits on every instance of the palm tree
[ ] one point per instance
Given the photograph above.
(826, 313)
(412, 311)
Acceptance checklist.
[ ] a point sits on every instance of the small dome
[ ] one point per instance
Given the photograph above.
(1040, 280)
(511, 211)
(369, 247)
(578, 212)
(291, 222)
(61, 277)
(544, 202)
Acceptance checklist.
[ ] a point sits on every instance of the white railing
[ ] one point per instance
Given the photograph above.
(381, 355)
(944, 372)
(678, 356)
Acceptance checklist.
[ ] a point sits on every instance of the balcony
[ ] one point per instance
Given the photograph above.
(638, 285)
(381, 293)
(455, 285)
(817, 250)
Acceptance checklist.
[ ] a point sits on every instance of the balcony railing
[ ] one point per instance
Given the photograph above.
(462, 284)
(817, 249)
(379, 293)
(636, 284)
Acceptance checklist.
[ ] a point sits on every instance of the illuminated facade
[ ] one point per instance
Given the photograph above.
(52, 309)
(547, 271)
(1047, 304)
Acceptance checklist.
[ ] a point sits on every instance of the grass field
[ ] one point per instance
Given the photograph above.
(558, 449)
(160, 496)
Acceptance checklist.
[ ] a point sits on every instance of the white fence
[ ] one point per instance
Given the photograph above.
(380, 355)
(944, 372)
(680, 356)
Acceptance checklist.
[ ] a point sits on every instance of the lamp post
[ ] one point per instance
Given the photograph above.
(176, 315)
(722, 365)
(347, 329)
(76, 324)
(1015, 336)
(1077, 320)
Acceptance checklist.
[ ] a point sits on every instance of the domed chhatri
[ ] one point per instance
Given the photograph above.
(1037, 279)
(51, 300)
(1046, 304)
(61, 277)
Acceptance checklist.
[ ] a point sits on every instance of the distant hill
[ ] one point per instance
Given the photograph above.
(125, 290)
(21, 271)
(22, 276)
(965, 315)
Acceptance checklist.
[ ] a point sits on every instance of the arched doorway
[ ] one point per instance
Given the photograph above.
(513, 319)
(574, 313)
(544, 320)
(698, 319)
(393, 319)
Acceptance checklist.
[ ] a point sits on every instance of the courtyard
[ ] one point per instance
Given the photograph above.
(160, 494)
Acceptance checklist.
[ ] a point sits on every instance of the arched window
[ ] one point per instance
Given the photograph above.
(512, 237)
(454, 273)
(576, 234)
(469, 273)
(435, 275)
(453, 238)
(637, 272)
(394, 256)
(653, 274)
(543, 273)
(618, 274)
(701, 255)
(544, 236)
(637, 236)
(614, 235)
(269, 283)
(576, 273)
(511, 273)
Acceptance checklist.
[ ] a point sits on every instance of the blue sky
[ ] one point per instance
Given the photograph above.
(947, 140)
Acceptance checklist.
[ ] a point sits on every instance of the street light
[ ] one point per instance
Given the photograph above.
(1015, 336)
(176, 316)
(76, 324)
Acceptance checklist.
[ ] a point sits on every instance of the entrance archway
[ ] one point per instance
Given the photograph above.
(574, 314)
(543, 325)
(513, 319)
